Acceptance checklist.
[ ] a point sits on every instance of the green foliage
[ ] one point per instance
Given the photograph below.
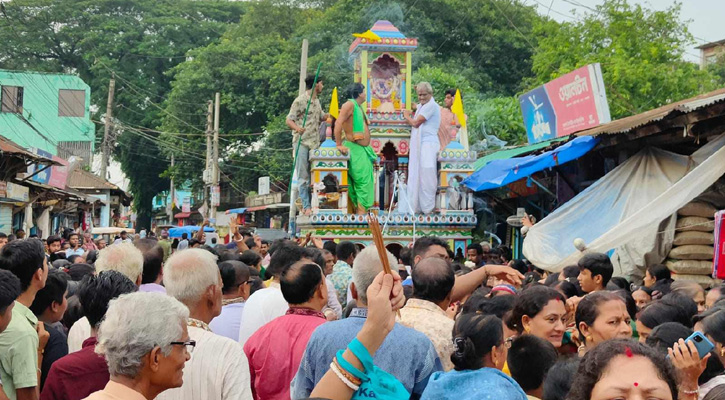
(255, 67)
(442, 80)
(717, 69)
(498, 116)
(640, 51)
(138, 39)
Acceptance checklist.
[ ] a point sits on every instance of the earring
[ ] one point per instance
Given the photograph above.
(527, 329)
(722, 352)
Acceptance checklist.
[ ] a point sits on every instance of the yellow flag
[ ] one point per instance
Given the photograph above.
(457, 108)
(334, 107)
(369, 35)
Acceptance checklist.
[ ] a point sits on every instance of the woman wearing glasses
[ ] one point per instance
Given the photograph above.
(145, 356)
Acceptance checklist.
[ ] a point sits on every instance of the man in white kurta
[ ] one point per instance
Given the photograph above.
(424, 146)
(218, 369)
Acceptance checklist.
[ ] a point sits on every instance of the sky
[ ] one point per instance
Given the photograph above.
(705, 17)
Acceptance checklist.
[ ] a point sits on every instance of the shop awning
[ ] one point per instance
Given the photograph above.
(258, 208)
(236, 211)
(182, 215)
(498, 173)
(504, 154)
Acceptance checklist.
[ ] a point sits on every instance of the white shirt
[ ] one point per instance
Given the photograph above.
(228, 322)
(261, 307)
(183, 245)
(349, 293)
(218, 370)
(332, 301)
(78, 333)
(429, 129)
(119, 241)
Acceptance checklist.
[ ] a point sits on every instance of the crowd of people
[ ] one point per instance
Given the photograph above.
(307, 319)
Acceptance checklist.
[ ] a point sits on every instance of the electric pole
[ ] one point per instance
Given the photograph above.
(215, 155)
(105, 147)
(170, 206)
(207, 168)
(291, 225)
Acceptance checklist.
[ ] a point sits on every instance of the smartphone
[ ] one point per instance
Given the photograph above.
(702, 343)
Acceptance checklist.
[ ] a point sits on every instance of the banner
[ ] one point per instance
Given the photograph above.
(263, 185)
(215, 195)
(58, 173)
(55, 176)
(719, 260)
(13, 191)
(568, 104)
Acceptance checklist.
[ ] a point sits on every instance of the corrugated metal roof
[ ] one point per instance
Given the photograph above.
(628, 124)
(80, 179)
(10, 147)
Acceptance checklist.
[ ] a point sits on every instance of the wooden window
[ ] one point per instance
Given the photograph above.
(11, 99)
(71, 103)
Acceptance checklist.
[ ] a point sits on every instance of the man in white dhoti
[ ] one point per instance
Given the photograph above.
(424, 146)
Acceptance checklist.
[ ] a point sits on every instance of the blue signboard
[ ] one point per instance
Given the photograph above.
(43, 176)
(539, 115)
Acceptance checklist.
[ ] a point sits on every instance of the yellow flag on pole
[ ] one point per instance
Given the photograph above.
(369, 35)
(334, 107)
(457, 108)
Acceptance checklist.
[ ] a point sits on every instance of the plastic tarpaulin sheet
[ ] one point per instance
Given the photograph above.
(498, 173)
(189, 230)
(631, 210)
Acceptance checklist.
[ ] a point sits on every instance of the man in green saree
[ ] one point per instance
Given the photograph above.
(356, 142)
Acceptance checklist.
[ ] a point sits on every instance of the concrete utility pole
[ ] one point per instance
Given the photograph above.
(171, 192)
(215, 155)
(207, 167)
(292, 227)
(105, 147)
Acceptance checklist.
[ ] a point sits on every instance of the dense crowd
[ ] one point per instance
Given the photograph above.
(149, 318)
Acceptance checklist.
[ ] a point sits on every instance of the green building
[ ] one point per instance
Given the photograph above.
(48, 112)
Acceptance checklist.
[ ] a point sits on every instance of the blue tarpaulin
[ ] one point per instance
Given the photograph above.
(235, 211)
(498, 173)
(189, 230)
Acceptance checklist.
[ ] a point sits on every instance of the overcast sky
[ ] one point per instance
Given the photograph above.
(705, 18)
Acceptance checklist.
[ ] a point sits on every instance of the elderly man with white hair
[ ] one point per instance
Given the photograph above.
(124, 258)
(218, 370)
(406, 353)
(145, 352)
(424, 146)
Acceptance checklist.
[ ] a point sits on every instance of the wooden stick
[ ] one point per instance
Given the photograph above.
(380, 245)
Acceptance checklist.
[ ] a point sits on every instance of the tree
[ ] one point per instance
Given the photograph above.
(497, 116)
(138, 41)
(640, 51)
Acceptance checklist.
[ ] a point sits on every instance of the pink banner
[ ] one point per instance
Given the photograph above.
(573, 99)
(59, 173)
(719, 260)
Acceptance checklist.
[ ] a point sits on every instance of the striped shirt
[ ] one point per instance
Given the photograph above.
(218, 370)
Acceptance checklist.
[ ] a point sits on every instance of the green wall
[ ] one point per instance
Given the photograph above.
(40, 108)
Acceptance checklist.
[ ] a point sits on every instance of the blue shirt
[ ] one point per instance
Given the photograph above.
(406, 354)
(228, 322)
(484, 383)
(77, 252)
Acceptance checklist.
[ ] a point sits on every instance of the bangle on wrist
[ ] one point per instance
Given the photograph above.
(341, 376)
(696, 391)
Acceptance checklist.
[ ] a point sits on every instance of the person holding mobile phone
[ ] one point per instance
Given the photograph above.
(686, 358)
